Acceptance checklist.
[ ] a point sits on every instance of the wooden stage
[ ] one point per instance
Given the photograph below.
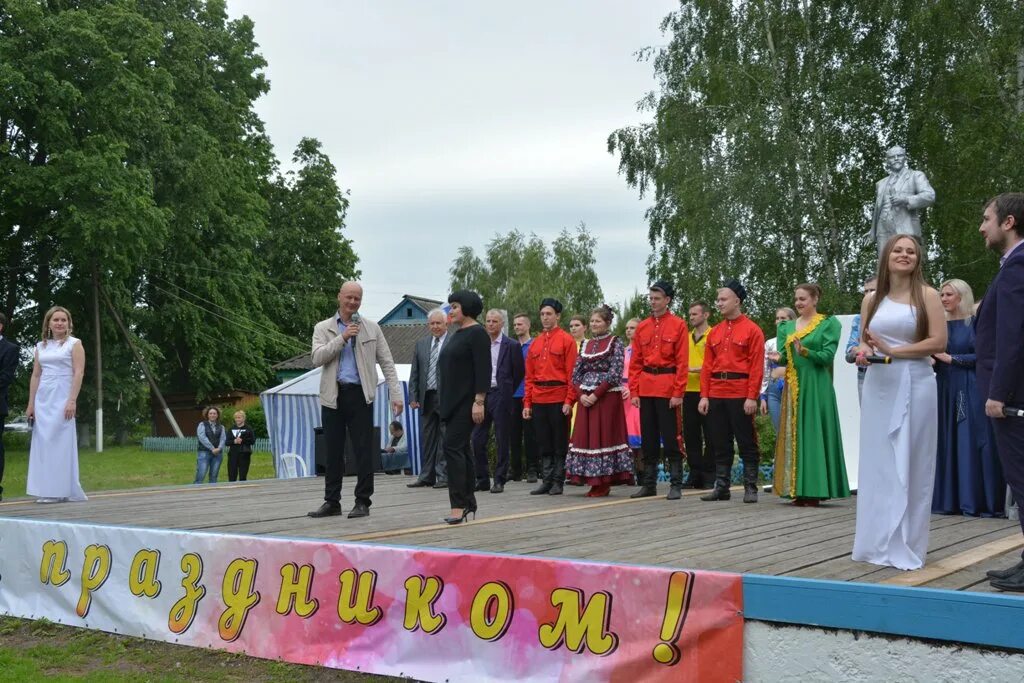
(771, 537)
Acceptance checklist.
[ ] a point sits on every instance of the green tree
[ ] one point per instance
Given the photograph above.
(305, 235)
(516, 272)
(129, 149)
(771, 121)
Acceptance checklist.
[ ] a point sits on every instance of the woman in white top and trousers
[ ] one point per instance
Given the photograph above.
(52, 405)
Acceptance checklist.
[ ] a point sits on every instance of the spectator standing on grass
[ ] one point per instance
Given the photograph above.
(240, 450)
(212, 438)
(52, 405)
(8, 364)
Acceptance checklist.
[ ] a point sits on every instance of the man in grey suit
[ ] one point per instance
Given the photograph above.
(424, 392)
(899, 199)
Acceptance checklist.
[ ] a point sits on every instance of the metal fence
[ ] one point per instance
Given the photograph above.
(189, 444)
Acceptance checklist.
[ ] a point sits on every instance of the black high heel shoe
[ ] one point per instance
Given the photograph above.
(459, 520)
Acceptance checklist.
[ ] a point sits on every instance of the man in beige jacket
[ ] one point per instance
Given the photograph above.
(348, 348)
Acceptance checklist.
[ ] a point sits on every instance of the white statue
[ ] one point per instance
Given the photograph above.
(899, 199)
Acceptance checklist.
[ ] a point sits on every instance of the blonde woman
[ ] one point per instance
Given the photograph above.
(240, 442)
(52, 406)
(968, 477)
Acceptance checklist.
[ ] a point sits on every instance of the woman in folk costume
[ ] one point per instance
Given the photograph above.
(809, 464)
(632, 412)
(599, 454)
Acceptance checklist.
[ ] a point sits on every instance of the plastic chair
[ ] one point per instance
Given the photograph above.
(292, 466)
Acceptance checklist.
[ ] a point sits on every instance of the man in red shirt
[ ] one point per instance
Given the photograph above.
(549, 394)
(657, 382)
(730, 384)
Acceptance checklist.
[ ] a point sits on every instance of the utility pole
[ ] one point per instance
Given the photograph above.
(99, 355)
(145, 368)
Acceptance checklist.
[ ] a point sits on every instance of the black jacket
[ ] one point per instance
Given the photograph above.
(465, 364)
(248, 439)
(8, 364)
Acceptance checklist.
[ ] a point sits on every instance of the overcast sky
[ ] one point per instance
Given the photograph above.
(450, 121)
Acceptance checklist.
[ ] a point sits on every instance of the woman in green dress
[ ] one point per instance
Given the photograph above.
(809, 464)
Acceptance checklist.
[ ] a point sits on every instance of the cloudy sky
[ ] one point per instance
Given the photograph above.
(452, 120)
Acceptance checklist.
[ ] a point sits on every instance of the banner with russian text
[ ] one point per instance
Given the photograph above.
(432, 615)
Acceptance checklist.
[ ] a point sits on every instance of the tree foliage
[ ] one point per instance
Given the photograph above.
(517, 272)
(771, 122)
(129, 147)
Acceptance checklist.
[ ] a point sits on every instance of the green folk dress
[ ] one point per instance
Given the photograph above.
(809, 450)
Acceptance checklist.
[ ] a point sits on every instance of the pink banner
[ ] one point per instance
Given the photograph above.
(427, 614)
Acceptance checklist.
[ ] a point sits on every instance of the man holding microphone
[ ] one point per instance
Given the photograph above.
(348, 348)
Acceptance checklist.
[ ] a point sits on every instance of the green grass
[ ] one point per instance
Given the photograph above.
(38, 650)
(126, 467)
(42, 650)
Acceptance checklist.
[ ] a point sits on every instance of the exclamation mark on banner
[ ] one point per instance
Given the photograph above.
(677, 604)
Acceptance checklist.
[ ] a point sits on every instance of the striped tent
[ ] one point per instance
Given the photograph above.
(292, 412)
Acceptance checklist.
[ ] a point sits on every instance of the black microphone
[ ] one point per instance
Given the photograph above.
(354, 320)
(1013, 411)
(875, 358)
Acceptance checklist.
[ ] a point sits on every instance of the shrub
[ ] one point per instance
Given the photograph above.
(254, 417)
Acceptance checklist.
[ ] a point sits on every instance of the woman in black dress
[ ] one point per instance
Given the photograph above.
(464, 373)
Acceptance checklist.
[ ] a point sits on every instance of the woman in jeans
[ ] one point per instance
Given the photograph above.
(212, 437)
(771, 386)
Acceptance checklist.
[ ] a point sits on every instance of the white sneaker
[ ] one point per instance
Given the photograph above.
(47, 500)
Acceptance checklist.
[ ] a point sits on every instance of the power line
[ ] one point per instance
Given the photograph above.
(289, 340)
(227, 310)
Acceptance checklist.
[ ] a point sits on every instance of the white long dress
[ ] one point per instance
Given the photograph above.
(898, 435)
(53, 454)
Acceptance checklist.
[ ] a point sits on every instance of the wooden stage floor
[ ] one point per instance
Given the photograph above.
(771, 537)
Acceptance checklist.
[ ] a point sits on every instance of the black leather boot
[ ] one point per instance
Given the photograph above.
(722, 482)
(749, 483)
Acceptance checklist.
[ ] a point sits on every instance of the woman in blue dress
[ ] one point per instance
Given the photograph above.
(968, 478)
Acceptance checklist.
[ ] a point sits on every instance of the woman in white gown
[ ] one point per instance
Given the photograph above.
(52, 404)
(903, 320)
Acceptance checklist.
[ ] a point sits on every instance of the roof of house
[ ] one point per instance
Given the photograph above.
(421, 302)
(401, 340)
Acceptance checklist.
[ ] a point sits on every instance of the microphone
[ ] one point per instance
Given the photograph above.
(354, 320)
(875, 358)
(1013, 411)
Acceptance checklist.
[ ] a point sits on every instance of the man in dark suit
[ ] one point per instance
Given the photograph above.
(8, 363)
(424, 392)
(507, 371)
(999, 328)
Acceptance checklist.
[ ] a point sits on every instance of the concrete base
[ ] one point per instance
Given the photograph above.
(777, 652)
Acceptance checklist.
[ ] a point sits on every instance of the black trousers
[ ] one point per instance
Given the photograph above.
(727, 423)
(1009, 433)
(522, 435)
(551, 428)
(497, 411)
(458, 454)
(238, 466)
(433, 468)
(3, 418)
(660, 429)
(354, 417)
(698, 445)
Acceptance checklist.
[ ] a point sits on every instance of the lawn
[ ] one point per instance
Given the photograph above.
(42, 650)
(37, 650)
(125, 467)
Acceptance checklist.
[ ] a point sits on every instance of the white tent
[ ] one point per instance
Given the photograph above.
(292, 412)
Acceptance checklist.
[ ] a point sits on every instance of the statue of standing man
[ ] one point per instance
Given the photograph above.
(899, 199)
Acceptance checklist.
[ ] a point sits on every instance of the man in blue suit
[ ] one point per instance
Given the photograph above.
(507, 371)
(999, 327)
(8, 364)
